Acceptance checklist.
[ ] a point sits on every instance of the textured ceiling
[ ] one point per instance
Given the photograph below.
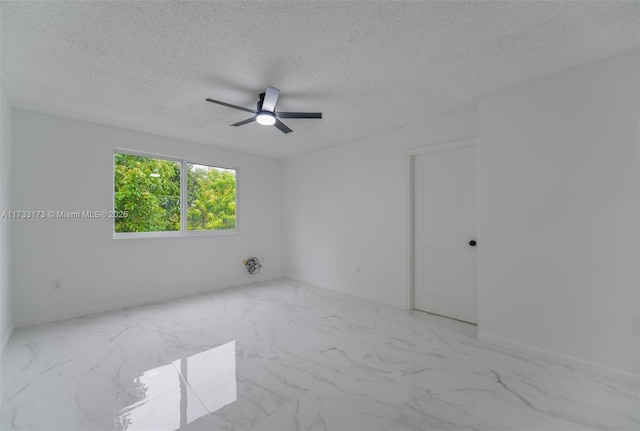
(368, 66)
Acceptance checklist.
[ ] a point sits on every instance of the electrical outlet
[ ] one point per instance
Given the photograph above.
(636, 325)
(56, 283)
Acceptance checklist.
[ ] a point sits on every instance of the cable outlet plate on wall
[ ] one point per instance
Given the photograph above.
(56, 283)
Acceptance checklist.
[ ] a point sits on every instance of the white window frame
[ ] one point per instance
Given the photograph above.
(183, 232)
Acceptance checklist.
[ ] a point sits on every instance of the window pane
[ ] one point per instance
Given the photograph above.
(148, 191)
(211, 198)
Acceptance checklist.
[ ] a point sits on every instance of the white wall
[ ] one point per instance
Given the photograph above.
(558, 221)
(346, 208)
(61, 164)
(558, 193)
(6, 311)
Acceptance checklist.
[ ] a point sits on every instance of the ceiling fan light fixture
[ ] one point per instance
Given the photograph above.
(266, 119)
(266, 114)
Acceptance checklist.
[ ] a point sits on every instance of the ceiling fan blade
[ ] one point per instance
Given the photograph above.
(247, 121)
(280, 125)
(231, 106)
(299, 114)
(270, 99)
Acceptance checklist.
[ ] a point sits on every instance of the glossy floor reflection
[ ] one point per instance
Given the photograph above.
(172, 396)
(285, 356)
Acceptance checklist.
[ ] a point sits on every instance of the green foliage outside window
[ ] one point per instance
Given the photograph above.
(211, 198)
(148, 190)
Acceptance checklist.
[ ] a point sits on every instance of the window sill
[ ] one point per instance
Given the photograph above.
(175, 234)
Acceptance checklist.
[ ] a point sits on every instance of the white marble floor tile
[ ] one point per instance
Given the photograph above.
(285, 356)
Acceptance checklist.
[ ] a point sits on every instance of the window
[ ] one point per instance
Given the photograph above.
(211, 198)
(154, 194)
(147, 191)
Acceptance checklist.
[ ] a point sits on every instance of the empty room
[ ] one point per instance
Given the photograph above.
(320, 215)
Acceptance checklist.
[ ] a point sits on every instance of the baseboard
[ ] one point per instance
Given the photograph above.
(350, 292)
(137, 301)
(580, 364)
(5, 337)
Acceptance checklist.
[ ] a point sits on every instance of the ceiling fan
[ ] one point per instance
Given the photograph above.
(266, 113)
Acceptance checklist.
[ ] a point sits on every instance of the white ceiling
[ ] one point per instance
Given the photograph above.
(368, 66)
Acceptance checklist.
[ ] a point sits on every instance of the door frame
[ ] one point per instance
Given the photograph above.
(410, 160)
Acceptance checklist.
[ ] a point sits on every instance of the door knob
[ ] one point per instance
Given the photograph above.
(473, 243)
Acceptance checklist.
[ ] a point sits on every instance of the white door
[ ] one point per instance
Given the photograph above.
(445, 233)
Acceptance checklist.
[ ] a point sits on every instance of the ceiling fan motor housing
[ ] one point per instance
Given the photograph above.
(260, 102)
